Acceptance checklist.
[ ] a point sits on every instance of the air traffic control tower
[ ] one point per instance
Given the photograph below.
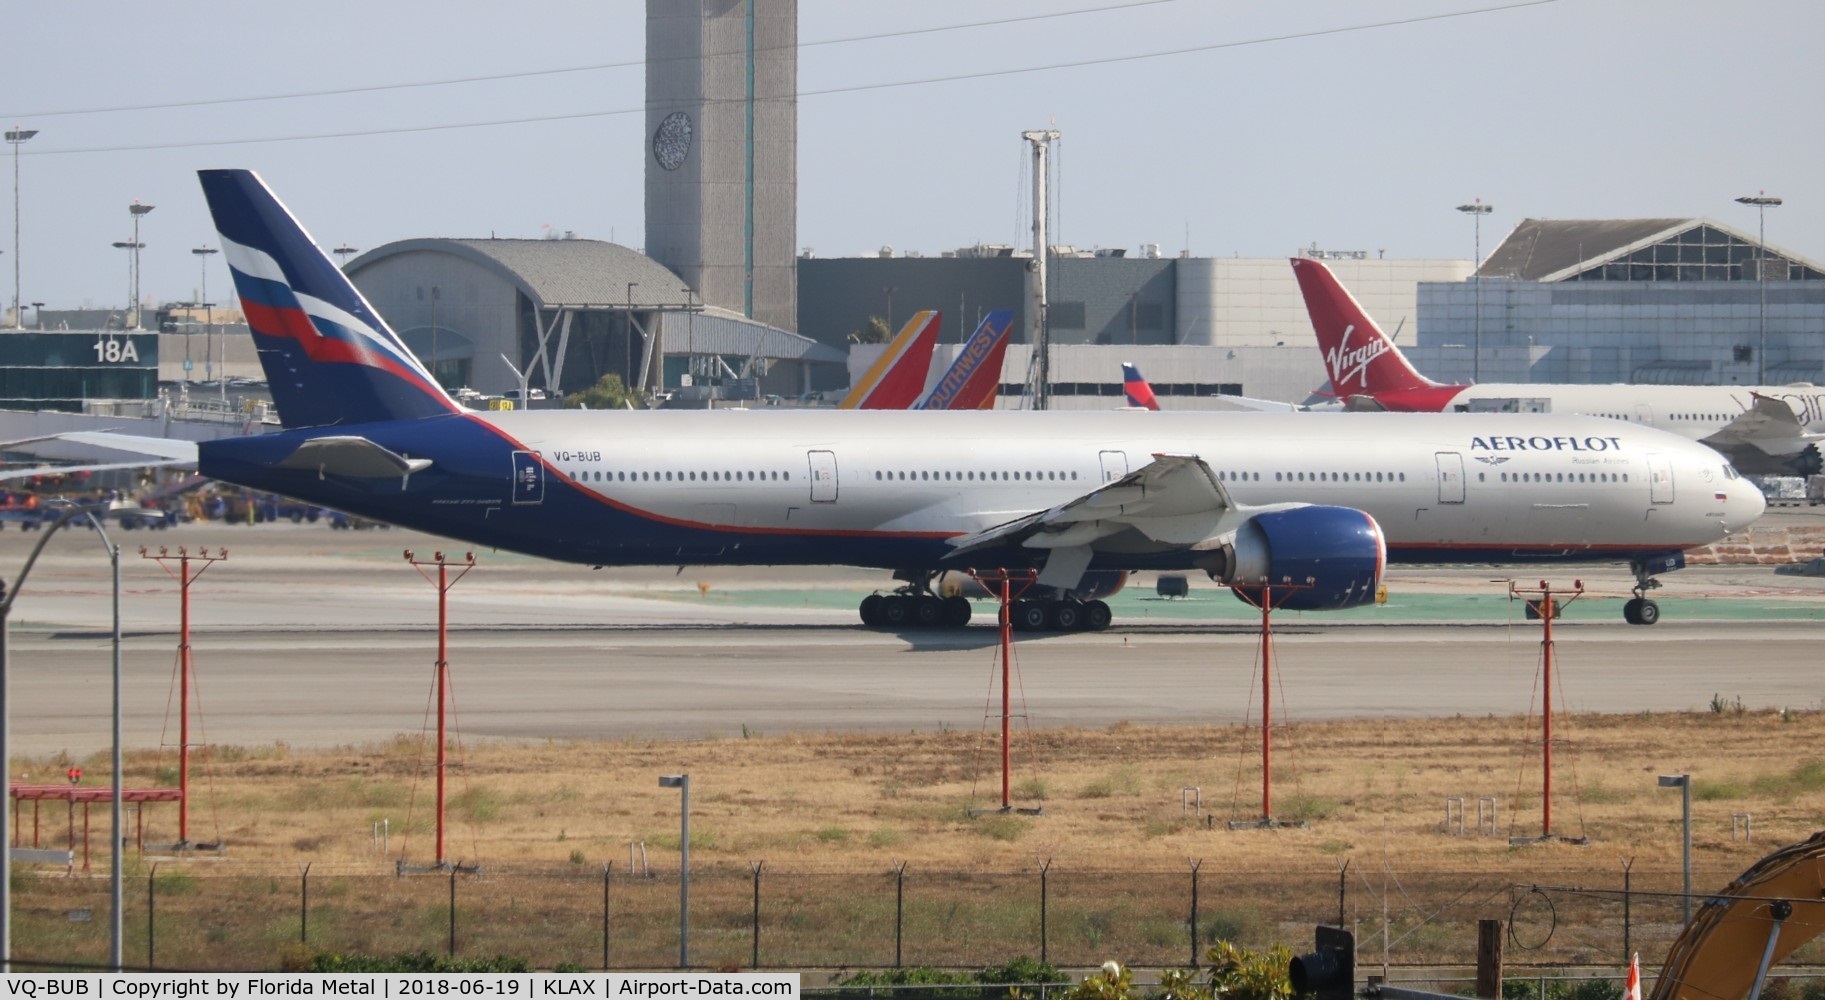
(722, 157)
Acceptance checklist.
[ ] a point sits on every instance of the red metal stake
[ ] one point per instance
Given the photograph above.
(185, 578)
(1267, 711)
(1547, 609)
(1007, 636)
(1546, 701)
(444, 583)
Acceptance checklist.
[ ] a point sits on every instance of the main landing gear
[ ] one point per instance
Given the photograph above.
(1639, 610)
(916, 606)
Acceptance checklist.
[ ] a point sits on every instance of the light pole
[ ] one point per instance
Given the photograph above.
(17, 136)
(343, 253)
(1683, 782)
(202, 260)
(70, 513)
(1761, 200)
(682, 782)
(132, 279)
(1476, 210)
(889, 293)
(137, 210)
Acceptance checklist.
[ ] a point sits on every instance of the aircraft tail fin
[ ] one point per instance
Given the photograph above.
(1358, 357)
(897, 378)
(1139, 393)
(329, 357)
(974, 378)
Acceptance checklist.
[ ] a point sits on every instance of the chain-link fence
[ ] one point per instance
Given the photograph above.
(194, 917)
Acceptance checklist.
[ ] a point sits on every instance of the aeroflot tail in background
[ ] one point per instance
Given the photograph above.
(974, 378)
(1763, 430)
(896, 379)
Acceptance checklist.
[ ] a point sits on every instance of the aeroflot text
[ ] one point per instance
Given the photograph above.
(1541, 443)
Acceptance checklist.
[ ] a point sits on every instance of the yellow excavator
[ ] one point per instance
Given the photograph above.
(1759, 919)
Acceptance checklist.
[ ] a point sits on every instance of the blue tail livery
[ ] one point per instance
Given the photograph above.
(328, 356)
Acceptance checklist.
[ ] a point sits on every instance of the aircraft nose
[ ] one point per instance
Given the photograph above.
(1746, 502)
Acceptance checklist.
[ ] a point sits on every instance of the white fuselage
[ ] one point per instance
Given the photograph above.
(1445, 486)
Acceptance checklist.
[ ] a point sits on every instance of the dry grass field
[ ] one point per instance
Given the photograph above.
(830, 817)
(1110, 798)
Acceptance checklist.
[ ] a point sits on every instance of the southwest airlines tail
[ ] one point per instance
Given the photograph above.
(974, 377)
(1139, 393)
(896, 379)
(1358, 357)
(329, 357)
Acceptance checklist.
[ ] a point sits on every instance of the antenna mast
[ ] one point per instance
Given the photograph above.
(1039, 368)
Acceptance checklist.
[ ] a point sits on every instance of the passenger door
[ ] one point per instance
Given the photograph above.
(1115, 465)
(1450, 477)
(1660, 479)
(823, 476)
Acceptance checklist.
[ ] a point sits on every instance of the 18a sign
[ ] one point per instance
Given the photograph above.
(116, 351)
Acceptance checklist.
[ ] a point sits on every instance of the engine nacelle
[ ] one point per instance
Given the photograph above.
(1338, 551)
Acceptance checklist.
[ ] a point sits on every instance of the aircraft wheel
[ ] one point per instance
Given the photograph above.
(1068, 616)
(895, 610)
(1030, 616)
(1097, 616)
(927, 610)
(871, 609)
(1640, 611)
(957, 611)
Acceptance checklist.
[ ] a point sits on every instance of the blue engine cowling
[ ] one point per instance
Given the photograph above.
(1332, 556)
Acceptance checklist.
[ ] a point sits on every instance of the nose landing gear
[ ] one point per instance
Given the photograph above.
(1640, 610)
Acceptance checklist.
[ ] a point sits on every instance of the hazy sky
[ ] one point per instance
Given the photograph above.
(1240, 127)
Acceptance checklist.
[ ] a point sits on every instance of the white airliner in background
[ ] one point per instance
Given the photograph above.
(1763, 430)
(1316, 501)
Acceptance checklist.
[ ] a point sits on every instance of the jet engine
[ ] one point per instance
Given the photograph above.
(1331, 558)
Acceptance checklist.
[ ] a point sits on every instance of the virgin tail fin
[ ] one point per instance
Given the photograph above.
(1359, 359)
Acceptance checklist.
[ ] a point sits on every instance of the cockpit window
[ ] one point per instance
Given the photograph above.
(1730, 472)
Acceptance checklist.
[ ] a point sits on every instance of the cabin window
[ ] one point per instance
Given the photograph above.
(1403, 477)
(1479, 477)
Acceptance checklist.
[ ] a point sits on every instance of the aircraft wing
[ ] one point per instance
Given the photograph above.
(1767, 423)
(1175, 501)
(349, 455)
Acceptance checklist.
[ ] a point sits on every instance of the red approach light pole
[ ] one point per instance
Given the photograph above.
(1007, 595)
(1266, 602)
(1546, 609)
(184, 578)
(444, 583)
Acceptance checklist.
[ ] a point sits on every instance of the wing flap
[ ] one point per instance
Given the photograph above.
(1174, 500)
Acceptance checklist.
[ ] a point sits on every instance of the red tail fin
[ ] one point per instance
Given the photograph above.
(1358, 357)
(897, 378)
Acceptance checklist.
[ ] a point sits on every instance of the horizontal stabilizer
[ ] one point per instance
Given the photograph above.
(173, 450)
(352, 456)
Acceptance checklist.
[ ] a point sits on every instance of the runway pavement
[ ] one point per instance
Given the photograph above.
(312, 637)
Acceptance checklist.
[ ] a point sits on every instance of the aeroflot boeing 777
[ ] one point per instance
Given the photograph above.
(1320, 500)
